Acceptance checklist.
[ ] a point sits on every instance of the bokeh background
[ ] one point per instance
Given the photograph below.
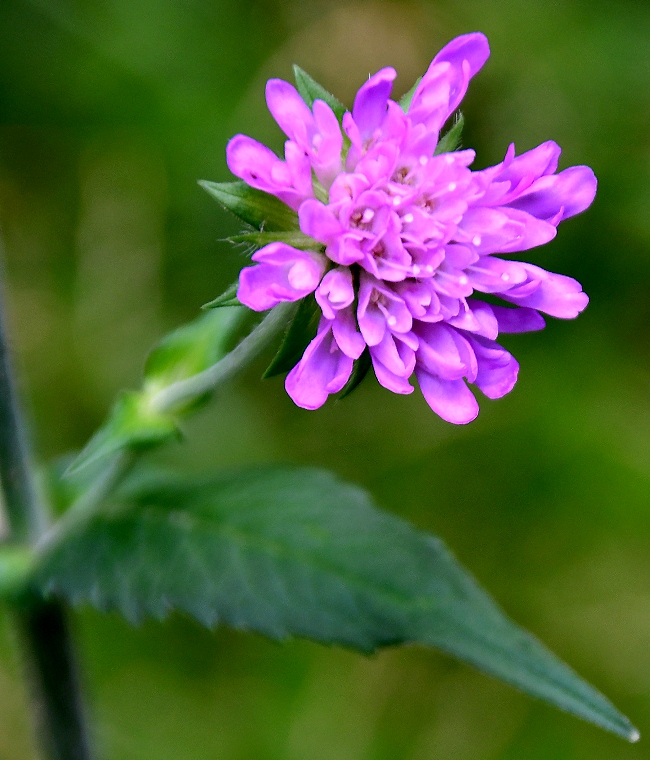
(110, 110)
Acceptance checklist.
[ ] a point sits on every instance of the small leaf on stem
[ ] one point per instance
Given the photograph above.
(132, 424)
(359, 371)
(191, 348)
(295, 239)
(254, 207)
(302, 330)
(227, 298)
(450, 142)
(310, 91)
(405, 100)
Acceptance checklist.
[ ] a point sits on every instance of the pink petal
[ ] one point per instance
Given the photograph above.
(497, 368)
(559, 196)
(282, 273)
(556, 294)
(450, 399)
(371, 101)
(323, 369)
(518, 320)
(289, 110)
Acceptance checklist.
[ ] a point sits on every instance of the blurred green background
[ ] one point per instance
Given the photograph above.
(109, 112)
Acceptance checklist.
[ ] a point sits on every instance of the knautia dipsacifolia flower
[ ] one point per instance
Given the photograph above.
(408, 237)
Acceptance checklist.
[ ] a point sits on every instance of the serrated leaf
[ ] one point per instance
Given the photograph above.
(302, 330)
(451, 140)
(254, 207)
(227, 298)
(405, 100)
(310, 91)
(359, 372)
(133, 424)
(295, 239)
(191, 348)
(296, 552)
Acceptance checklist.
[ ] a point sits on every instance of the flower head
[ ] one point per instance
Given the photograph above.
(407, 238)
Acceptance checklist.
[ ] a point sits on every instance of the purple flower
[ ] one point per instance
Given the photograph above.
(408, 238)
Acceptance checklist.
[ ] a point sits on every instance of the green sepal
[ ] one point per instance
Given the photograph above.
(295, 239)
(359, 371)
(132, 424)
(191, 348)
(405, 100)
(254, 207)
(301, 331)
(296, 552)
(451, 140)
(16, 568)
(310, 91)
(227, 298)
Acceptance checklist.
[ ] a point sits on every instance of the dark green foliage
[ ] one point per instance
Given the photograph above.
(295, 552)
(302, 330)
(254, 207)
(405, 100)
(295, 239)
(132, 423)
(227, 298)
(359, 371)
(310, 91)
(191, 348)
(450, 141)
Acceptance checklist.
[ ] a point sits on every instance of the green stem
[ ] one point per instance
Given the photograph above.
(164, 400)
(184, 390)
(45, 638)
(51, 665)
(79, 512)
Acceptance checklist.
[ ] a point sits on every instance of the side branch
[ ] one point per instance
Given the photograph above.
(184, 390)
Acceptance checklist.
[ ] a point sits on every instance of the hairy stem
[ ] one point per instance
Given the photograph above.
(223, 370)
(45, 638)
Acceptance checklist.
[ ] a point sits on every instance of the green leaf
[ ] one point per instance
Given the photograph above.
(133, 424)
(405, 100)
(191, 348)
(310, 91)
(258, 209)
(302, 330)
(295, 239)
(227, 298)
(296, 552)
(359, 371)
(451, 140)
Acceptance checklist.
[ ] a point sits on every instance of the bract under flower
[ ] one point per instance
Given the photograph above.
(409, 238)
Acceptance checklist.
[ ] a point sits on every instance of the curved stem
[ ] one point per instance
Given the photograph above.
(184, 390)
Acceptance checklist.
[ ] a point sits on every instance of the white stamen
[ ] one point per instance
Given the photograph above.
(424, 160)
(396, 200)
(505, 277)
(416, 270)
(392, 321)
(476, 240)
(449, 160)
(408, 218)
(463, 280)
(368, 215)
(429, 268)
(451, 187)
